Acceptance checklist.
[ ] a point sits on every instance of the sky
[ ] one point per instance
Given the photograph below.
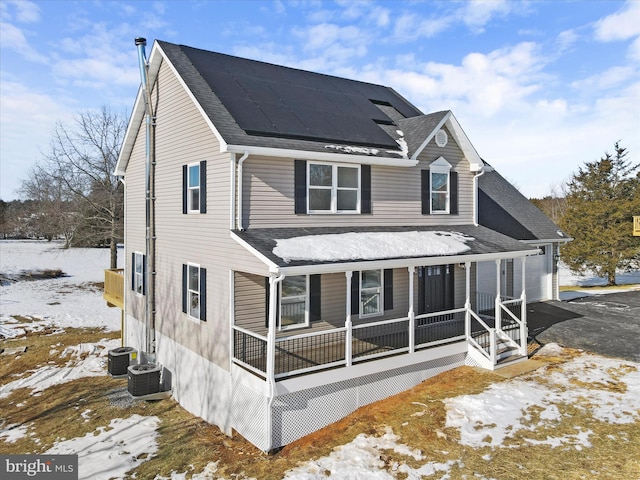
(539, 88)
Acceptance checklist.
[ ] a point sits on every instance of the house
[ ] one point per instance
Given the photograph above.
(299, 245)
(501, 207)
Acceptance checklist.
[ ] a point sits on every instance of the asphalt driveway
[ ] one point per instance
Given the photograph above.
(605, 324)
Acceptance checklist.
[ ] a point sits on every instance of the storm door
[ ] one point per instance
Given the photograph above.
(436, 288)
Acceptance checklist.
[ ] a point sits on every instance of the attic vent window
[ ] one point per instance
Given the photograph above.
(441, 138)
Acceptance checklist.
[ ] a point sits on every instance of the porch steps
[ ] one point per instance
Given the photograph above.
(508, 355)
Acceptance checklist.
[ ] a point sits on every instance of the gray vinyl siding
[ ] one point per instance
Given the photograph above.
(184, 137)
(268, 194)
(135, 232)
(250, 301)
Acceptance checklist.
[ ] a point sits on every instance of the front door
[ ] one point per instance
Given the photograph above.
(436, 288)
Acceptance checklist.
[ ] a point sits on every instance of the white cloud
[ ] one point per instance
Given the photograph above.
(25, 11)
(621, 25)
(332, 45)
(566, 40)
(477, 14)
(13, 38)
(606, 79)
(27, 119)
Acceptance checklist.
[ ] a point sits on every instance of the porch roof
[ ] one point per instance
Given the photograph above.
(479, 244)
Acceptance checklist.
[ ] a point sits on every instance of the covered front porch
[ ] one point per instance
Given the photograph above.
(492, 326)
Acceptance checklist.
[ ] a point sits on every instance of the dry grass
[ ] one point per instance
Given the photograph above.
(418, 415)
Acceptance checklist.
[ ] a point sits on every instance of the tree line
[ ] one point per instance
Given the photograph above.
(596, 207)
(71, 193)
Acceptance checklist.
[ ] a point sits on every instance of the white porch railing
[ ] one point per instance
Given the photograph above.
(340, 347)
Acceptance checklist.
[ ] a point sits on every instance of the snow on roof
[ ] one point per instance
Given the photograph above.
(371, 245)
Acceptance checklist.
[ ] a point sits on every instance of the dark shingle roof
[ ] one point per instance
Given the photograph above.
(503, 208)
(485, 241)
(260, 104)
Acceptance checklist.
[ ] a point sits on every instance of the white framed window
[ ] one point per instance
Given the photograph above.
(440, 186)
(193, 187)
(294, 302)
(138, 273)
(333, 188)
(193, 291)
(371, 293)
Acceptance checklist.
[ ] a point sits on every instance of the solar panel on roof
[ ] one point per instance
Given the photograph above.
(266, 99)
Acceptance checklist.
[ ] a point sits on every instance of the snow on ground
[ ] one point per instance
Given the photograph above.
(69, 301)
(504, 409)
(111, 451)
(568, 278)
(86, 360)
(370, 245)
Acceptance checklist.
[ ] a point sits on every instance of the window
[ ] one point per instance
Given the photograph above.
(333, 188)
(439, 192)
(439, 189)
(328, 188)
(193, 188)
(138, 273)
(194, 281)
(194, 184)
(371, 293)
(294, 311)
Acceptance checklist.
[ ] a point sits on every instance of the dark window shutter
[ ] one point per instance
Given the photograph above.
(203, 187)
(453, 189)
(184, 288)
(203, 294)
(355, 293)
(300, 180)
(133, 271)
(144, 274)
(315, 308)
(185, 174)
(365, 186)
(388, 289)
(425, 190)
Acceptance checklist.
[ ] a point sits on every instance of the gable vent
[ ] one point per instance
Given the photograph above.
(441, 138)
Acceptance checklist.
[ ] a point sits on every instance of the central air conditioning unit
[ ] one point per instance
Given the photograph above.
(144, 379)
(119, 360)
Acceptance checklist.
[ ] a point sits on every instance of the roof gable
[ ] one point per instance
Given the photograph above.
(503, 208)
(263, 109)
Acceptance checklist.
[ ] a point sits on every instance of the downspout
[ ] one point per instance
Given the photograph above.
(271, 354)
(475, 196)
(150, 310)
(240, 206)
(123, 314)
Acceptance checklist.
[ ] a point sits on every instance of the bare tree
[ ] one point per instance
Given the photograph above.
(77, 174)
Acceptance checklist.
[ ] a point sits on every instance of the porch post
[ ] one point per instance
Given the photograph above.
(271, 337)
(271, 352)
(467, 301)
(347, 323)
(412, 314)
(523, 315)
(498, 309)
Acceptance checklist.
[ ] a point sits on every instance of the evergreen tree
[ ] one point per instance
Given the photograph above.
(602, 199)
